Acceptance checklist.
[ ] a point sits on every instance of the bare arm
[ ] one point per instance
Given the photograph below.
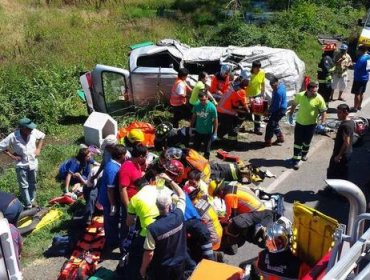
(147, 259)
(175, 187)
(131, 220)
(39, 146)
(343, 148)
(67, 182)
(193, 118)
(12, 156)
(123, 195)
(323, 117)
(292, 108)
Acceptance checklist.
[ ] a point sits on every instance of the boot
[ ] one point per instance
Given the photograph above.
(268, 143)
(280, 139)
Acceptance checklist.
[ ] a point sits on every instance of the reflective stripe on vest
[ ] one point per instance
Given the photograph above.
(224, 98)
(253, 199)
(175, 98)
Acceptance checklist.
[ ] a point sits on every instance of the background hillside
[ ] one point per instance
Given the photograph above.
(46, 44)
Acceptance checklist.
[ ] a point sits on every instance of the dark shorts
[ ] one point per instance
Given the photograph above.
(358, 87)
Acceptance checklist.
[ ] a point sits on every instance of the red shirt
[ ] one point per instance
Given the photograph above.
(128, 174)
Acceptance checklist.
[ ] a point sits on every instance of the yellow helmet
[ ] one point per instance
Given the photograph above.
(135, 135)
(213, 187)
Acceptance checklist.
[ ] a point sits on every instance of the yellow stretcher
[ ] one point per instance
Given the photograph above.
(312, 233)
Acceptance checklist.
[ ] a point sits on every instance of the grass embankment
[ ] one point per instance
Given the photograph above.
(44, 47)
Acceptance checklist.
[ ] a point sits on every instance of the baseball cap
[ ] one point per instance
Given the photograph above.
(26, 122)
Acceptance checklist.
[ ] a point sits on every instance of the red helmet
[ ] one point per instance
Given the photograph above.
(174, 167)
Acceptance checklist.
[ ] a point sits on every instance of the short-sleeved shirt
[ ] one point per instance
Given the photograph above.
(361, 73)
(205, 116)
(342, 66)
(143, 205)
(72, 166)
(309, 108)
(128, 175)
(24, 149)
(199, 87)
(346, 128)
(255, 84)
(109, 180)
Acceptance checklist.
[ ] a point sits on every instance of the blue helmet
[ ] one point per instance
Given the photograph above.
(245, 74)
(343, 47)
(225, 69)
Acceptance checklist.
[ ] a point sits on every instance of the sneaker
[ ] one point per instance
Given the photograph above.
(28, 206)
(305, 158)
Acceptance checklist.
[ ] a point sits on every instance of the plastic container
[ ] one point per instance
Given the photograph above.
(97, 127)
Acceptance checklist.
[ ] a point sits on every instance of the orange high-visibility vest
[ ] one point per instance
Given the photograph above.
(219, 85)
(175, 98)
(232, 100)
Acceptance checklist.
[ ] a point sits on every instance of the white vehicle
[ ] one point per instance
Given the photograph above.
(153, 69)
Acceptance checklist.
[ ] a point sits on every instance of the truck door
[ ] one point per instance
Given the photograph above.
(110, 92)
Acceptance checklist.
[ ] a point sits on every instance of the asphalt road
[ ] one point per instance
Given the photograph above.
(301, 185)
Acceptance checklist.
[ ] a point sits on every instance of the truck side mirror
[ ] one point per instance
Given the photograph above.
(360, 22)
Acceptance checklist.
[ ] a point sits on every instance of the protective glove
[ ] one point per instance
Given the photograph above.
(214, 137)
(290, 119)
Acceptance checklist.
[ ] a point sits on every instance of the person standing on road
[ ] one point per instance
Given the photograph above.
(338, 166)
(342, 62)
(325, 69)
(256, 89)
(360, 77)
(179, 92)
(311, 104)
(205, 122)
(277, 111)
(26, 143)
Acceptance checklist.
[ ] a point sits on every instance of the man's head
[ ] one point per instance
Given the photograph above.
(312, 88)
(109, 142)
(362, 49)
(119, 153)
(203, 76)
(164, 202)
(203, 98)
(183, 73)
(256, 66)
(26, 126)
(342, 111)
(274, 82)
(343, 48)
(225, 70)
(139, 153)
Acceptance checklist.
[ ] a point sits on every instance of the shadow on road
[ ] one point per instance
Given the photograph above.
(301, 196)
(269, 162)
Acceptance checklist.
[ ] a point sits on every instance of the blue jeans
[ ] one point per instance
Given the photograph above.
(111, 227)
(90, 195)
(27, 184)
(273, 125)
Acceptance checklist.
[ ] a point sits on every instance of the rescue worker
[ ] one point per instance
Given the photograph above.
(342, 62)
(277, 261)
(180, 90)
(325, 70)
(200, 237)
(232, 104)
(166, 136)
(238, 199)
(277, 110)
(165, 241)
(220, 82)
(197, 191)
(142, 207)
(256, 89)
(311, 104)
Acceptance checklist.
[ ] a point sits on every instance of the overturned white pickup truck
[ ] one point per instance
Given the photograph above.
(153, 69)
